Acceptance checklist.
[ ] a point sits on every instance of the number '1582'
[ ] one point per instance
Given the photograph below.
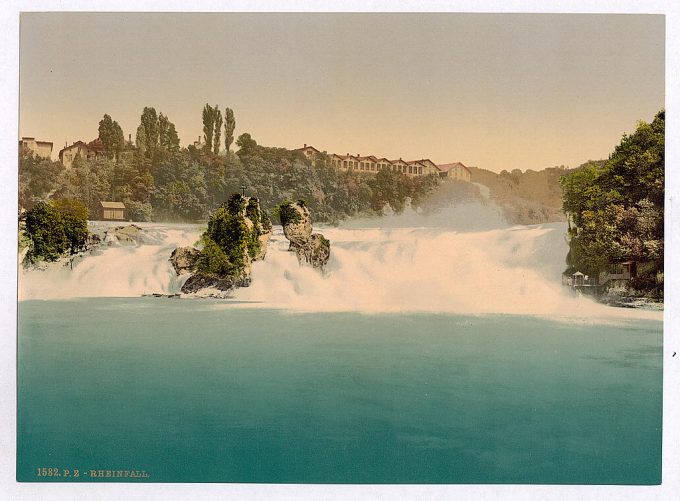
(57, 472)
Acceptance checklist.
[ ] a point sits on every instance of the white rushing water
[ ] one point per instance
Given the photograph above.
(441, 265)
(114, 270)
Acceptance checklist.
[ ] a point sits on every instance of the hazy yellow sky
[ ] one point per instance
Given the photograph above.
(497, 91)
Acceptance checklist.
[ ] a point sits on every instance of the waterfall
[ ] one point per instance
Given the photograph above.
(388, 264)
(505, 270)
(113, 269)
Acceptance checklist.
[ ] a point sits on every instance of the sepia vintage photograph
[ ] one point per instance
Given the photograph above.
(341, 248)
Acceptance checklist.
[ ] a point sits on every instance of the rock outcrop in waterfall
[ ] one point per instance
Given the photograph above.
(237, 235)
(312, 248)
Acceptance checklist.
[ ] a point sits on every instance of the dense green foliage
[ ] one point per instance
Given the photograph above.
(158, 180)
(213, 260)
(55, 229)
(286, 213)
(38, 179)
(111, 136)
(230, 237)
(229, 126)
(254, 214)
(218, 131)
(167, 135)
(155, 132)
(617, 208)
(212, 127)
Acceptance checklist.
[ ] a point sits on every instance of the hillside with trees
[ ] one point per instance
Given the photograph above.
(157, 180)
(616, 209)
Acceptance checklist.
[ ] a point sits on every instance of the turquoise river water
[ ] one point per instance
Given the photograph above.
(191, 390)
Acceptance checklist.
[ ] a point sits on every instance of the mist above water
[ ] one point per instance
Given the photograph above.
(400, 263)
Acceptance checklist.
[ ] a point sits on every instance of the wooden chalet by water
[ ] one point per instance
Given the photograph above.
(112, 211)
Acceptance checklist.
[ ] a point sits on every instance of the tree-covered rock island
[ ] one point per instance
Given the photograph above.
(237, 235)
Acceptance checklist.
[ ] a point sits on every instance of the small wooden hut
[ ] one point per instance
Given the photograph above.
(112, 211)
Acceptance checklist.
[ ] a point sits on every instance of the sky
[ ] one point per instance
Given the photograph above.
(496, 91)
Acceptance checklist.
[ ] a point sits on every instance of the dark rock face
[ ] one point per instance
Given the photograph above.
(184, 259)
(197, 283)
(311, 248)
(315, 251)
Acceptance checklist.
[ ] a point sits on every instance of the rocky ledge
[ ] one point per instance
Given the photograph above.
(311, 248)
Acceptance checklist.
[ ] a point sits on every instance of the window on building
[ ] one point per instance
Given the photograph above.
(420, 170)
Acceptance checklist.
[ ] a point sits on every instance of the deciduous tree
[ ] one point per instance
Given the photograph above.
(149, 139)
(167, 135)
(111, 136)
(208, 125)
(229, 126)
(218, 130)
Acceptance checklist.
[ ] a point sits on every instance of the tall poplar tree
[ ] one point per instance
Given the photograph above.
(150, 137)
(218, 130)
(208, 125)
(140, 139)
(229, 126)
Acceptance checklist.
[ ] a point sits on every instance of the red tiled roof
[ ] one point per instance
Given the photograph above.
(96, 145)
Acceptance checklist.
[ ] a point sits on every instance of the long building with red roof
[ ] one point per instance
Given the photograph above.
(371, 164)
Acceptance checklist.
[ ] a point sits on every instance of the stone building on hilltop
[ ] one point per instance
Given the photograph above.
(89, 151)
(371, 164)
(42, 149)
